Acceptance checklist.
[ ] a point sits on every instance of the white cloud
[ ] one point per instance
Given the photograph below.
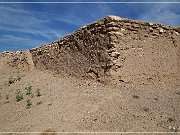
(14, 19)
(162, 13)
(17, 43)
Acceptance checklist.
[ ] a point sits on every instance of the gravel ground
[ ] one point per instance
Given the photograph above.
(68, 104)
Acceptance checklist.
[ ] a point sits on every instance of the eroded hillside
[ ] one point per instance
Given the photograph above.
(111, 49)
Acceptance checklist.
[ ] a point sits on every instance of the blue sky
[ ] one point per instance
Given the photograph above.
(24, 26)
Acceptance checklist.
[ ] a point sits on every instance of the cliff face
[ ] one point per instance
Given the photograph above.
(82, 53)
(113, 49)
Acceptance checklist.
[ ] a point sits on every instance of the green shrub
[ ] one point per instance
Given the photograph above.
(38, 93)
(19, 96)
(29, 91)
(29, 104)
(18, 78)
(12, 80)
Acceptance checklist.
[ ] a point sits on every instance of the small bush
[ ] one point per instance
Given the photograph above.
(0, 95)
(29, 91)
(29, 104)
(38, 93)
(12, 80)
(19, 96)
(18, 78)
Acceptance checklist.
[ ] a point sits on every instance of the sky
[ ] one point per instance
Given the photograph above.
(28, 25)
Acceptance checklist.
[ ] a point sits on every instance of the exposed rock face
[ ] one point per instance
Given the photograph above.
(113, 49)
(20, 60)
(80, 53)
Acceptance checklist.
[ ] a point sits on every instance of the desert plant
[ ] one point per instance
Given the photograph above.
(29, 104)
(19, 96)
(38, 93)
(29, 91)
(18, 78)
(12, 80)
(0, 95)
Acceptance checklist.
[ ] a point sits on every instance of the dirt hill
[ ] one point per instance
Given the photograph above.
(114, 74)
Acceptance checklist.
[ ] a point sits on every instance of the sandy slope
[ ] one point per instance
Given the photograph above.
(71, 105)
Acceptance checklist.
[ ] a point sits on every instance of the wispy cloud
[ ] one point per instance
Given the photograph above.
(162, 13)
(36, 24)
(16, 23)
(47, 24)
(12, 38)
(24, 21)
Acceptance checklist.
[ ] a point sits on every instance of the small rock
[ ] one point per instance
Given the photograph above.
(111, 50)
(177, 33)
(150, 29)
(165, 27)
(111, 45)
(127, 24)
(155, 34)
(174, 128)
(161, 30)
(112, 24)
(122, 29)
(102, 35)
(136, 26)
(151, 24)
(112, 29)
(116, 33)
(112, 17)
(178, 29)
(155, 26)
(115, 54)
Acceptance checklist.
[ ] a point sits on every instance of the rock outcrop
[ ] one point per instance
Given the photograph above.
(111, 49)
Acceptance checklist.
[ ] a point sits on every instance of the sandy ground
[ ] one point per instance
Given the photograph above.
(72, 105)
